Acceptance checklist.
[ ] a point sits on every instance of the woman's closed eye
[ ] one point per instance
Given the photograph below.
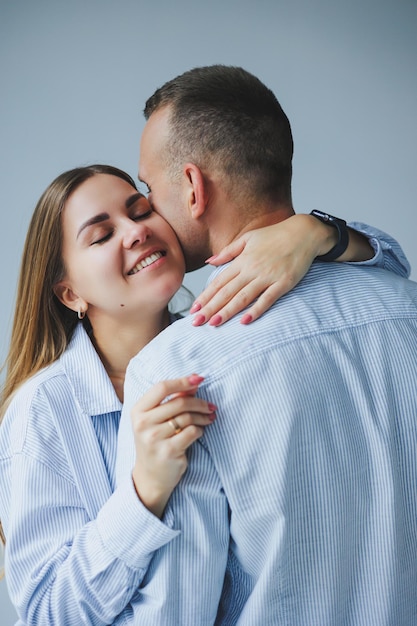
(137, 217)
(142, 216)
(102, 236)
(102, 239)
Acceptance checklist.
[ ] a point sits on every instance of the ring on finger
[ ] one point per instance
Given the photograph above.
(175, 426)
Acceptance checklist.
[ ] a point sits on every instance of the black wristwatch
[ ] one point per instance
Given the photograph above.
(342, 230)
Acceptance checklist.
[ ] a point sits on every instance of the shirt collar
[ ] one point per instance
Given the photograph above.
(87, 375)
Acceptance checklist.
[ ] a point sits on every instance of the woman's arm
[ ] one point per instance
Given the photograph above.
(388, 253)
(66, 564)
(269, 262)
(61, 566)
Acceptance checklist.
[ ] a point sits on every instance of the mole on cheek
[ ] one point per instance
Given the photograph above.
(122, 305)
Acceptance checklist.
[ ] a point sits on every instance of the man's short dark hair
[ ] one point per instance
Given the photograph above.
(224, 117)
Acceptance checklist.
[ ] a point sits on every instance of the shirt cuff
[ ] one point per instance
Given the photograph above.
(378, 258)
(129, 531)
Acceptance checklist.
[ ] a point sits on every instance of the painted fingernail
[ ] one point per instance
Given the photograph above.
(195, 379)
(246, 319)
(210, 259)
(196, 307)
(198, 320)
(212, 417)
(212, 407)
(215, 320)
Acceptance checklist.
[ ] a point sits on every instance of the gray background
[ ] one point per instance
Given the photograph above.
(75, 75)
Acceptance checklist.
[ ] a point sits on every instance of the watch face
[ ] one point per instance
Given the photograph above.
(327, 218)
(324, 217)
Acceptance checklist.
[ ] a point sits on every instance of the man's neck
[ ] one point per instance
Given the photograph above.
(237, 226)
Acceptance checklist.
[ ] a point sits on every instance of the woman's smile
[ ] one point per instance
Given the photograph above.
(147, 261)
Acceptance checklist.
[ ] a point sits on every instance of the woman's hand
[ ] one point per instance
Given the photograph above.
(268, 262)
(166, 421)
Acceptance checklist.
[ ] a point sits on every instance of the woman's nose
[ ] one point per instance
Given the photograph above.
(136, 233)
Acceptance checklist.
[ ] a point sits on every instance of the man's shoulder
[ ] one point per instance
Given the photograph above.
(344, 295)
(330, 298)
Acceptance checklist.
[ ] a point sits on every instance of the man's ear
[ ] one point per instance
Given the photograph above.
(196, 190)
(65, 294)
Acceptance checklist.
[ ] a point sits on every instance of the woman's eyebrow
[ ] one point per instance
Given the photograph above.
(101, 217)
(132, 199)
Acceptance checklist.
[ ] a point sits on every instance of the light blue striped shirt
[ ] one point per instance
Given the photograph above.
(299, 505)
(77, 551)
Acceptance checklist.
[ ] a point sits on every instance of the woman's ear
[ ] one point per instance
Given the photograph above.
(196, 190)
(65, 294)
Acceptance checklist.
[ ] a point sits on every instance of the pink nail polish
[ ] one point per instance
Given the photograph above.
(195, 379)
(212, 407)
(215, 320)
(212, 417)
(196, 307)
(246, 319)
(210, 259)
(198, 320)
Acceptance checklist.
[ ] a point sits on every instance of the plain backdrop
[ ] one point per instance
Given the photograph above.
(75, 75)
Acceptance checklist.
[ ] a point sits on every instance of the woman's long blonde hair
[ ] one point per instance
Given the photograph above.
(42, 325)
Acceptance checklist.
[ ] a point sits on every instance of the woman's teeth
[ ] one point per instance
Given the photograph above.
(145, 262)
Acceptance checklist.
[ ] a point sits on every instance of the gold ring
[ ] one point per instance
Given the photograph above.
(177, 429)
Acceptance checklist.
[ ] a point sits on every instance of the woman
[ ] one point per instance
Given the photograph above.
(98, 270)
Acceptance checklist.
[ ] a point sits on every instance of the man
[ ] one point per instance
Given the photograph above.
(298, 505)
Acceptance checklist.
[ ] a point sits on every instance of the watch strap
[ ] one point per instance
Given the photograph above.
(343, 233)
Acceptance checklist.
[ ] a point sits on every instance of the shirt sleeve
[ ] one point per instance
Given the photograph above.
(388, 253)
(63, 567)
(189, 573)
(199, 555)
